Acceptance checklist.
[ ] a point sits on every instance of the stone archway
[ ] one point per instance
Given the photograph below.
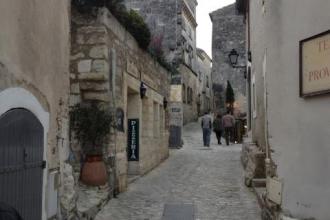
(27, 122)
(21, 162)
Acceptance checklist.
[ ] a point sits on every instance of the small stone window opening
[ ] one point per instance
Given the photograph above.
(184, 93)
(263, 2)
(190, 95)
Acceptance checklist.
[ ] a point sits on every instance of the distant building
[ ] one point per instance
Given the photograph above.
(205, 98)
(228, 33)
(174, 21)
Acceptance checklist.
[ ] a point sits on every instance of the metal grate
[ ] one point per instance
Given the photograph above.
(21, 162)
(179, 212)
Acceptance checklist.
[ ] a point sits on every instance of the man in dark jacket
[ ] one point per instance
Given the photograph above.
(217, 127)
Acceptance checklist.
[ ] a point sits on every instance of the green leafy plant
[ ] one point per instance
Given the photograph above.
(156, 47)
(135, 24)
(131, 20)
(156, 51)
(230, 96)
(91, 125)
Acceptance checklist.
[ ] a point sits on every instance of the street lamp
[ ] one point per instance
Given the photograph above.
(143, 90)
(165, 102)
(233, 58)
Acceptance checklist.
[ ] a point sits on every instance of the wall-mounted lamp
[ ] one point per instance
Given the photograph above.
(233, 59)
(249, 56)
(143, 90)
(165, 102)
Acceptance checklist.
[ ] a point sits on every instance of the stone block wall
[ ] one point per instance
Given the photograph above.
(174, 21)
(190, 80)
(163, 20)
(205, 95)
(100, 46)
(228, 33)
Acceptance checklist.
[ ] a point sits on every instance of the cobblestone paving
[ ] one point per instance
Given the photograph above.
(210, 179)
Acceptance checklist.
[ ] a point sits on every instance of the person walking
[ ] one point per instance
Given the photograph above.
(207, 127)
(217, 127)
(228, 123)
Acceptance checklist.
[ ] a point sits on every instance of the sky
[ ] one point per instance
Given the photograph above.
(204, 28)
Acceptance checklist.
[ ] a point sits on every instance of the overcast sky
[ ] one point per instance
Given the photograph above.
(204, 29)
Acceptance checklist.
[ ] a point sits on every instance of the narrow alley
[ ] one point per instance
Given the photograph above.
(207, 181)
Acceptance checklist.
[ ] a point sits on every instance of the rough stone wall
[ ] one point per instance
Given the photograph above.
(163, 20)
(205, 81)
(228, 34)
(93, 40)
(34, 55)
(170, 20)
(189, 109)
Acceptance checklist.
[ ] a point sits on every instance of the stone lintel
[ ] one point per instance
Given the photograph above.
(104, 97)
(93, 76)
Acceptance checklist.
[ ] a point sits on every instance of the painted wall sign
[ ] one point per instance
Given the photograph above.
(132, 68)
(133, 140)
(176, 93)
(176, 114)
(315, 65)
(120, 115)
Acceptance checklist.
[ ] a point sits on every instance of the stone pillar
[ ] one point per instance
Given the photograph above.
(156, 128)
(176, 115)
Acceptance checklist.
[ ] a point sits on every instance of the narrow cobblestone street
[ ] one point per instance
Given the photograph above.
(209, 179)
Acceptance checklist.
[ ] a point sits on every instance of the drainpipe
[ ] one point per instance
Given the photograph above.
(268, 156)
(112, 76)
(267, 160)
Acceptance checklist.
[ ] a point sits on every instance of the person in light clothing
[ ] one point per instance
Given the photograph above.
(207, 128)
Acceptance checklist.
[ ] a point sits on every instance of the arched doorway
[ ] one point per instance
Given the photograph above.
(21, 162)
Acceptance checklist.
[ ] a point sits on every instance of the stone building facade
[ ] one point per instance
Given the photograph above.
(34, 94)
(107, 65)
(228, 33)
(40, 79)
(205, 94)
(174, 21)
(288, 128)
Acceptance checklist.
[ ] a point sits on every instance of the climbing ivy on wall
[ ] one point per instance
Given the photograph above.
(230, 96)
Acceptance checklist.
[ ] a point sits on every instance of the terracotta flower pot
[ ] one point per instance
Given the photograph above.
(94, 171)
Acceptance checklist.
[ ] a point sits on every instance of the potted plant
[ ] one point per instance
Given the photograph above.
(91, 126)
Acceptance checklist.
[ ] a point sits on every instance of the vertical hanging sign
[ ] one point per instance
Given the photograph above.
(133, 140)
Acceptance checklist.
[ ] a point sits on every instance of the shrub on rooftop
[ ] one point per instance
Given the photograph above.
(131, 20)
